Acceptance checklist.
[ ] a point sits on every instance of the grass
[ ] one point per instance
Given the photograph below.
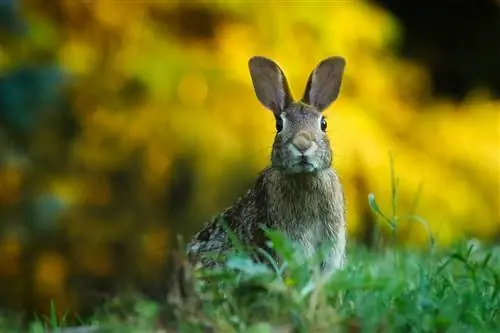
(456, 289)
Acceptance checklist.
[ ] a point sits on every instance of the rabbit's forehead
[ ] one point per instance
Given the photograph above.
(301, 114)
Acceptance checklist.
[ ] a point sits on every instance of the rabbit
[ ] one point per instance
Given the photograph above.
(299, 193)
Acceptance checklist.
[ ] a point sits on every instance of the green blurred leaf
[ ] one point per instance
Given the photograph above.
(247, 265)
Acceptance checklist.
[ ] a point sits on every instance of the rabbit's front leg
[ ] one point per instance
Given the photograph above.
(335, 257)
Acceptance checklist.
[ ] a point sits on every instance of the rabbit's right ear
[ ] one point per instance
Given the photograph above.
(323, 85)
(270, 84)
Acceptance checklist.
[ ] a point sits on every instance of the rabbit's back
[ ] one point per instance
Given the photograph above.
(242, 220)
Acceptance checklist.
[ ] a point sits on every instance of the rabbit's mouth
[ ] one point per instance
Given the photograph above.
(304, 165)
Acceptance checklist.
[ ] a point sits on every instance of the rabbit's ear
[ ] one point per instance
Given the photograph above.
(323, 86)
(270, 84)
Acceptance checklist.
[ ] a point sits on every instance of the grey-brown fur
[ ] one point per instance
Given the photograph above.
(299, 193)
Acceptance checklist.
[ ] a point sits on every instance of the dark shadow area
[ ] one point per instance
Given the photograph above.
(457, 40)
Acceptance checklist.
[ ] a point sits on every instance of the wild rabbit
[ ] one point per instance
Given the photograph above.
(300, 193)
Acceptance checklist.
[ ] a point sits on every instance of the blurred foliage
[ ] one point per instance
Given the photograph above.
(124, 123)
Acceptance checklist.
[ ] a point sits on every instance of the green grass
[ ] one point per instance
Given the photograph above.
(396, 289)
(456, 290)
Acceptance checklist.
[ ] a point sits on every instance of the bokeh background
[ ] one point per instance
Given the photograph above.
(125, 123)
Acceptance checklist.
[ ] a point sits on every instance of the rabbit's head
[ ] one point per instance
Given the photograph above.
(301, 144)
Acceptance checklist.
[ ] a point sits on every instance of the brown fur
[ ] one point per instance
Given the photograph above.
(308, 208)
(305, 201)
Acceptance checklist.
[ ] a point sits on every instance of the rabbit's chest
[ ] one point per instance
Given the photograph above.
(309, 210)
(312, 236)
(309, 224)
(311, 232)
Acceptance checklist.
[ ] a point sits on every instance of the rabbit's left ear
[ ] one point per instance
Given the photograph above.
(323, 85)
(270, 84)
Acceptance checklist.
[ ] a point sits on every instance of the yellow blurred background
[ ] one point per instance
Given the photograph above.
(159, 128)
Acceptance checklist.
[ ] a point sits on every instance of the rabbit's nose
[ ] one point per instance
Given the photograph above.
(302, 141)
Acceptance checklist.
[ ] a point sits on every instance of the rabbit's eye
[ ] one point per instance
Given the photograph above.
(323, 124)
(279, 124)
